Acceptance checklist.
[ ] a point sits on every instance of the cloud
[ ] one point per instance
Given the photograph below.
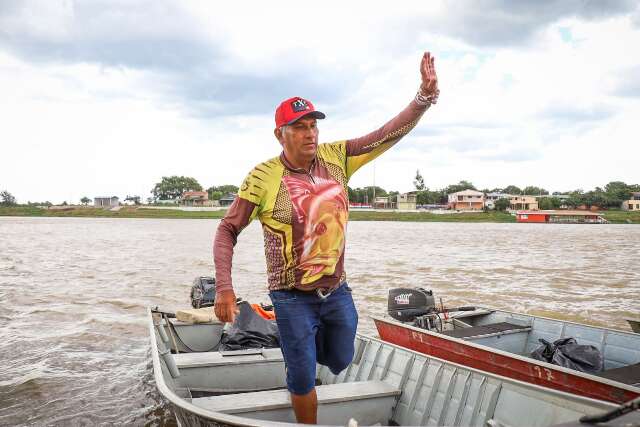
(182, 63)
(577, 115)
(502, 23)
(189, 88)
(627, 82)
(144, 34)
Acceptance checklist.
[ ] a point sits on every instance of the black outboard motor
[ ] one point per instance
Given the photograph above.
(405, 304)
(203, 292)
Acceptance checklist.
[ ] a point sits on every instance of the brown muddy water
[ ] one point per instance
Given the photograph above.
(73, 341)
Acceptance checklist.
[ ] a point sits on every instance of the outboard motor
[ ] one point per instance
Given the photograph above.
(405, 304)
(203, 292)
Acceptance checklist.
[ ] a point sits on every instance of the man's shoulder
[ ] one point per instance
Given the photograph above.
(333, 152)
(269, 167)
(260, 180)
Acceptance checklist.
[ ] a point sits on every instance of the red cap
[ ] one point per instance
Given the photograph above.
(293, 109)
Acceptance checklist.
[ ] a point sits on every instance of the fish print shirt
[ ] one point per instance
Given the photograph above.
(304, 213)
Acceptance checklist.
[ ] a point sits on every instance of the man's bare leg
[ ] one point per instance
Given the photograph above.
(305, 407)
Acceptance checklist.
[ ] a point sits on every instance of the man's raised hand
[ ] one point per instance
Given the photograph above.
(429, 85)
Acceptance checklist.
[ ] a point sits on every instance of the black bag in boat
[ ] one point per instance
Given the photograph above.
(250, 330)
(568, 353)
(203, 292)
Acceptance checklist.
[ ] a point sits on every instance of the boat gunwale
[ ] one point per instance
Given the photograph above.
(181, 402)
(497, 310)
(531, 360)
(235, 420)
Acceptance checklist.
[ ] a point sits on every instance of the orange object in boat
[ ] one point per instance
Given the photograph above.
(269, 315)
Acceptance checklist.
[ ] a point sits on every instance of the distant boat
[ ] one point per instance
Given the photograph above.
(384, 385)
(561, 217)
(500, 342)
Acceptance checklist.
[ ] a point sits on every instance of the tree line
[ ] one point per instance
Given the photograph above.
(610, 196)
(172, 187)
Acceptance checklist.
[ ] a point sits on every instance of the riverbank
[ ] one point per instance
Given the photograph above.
(614, 217)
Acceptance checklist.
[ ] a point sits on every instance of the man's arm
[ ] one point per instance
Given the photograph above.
(366, 148)
(237, 218)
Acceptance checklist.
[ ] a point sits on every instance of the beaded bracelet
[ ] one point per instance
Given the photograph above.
(432, 98)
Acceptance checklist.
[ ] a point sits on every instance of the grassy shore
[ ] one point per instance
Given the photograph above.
(614, 216)
(125, 212)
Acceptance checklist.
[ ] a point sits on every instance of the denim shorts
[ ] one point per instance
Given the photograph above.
(313, 330)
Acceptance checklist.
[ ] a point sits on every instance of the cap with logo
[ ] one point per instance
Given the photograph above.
(293, 109)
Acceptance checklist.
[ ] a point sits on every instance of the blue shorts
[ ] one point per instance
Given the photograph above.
(313, 330)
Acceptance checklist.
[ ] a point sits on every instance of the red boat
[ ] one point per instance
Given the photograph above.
(501, 342)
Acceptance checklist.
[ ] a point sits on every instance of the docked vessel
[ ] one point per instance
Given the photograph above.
(501, 342)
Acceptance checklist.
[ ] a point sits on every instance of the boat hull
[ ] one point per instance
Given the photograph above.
(384, 384)
(502, 363)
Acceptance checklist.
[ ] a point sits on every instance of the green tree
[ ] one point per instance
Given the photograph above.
(596, 198)
(228, 189)
(85, 200)
(501, 204)
(172, 187)
(372, 194)
(7, 199)
(534, 191)
(418, 181)
(461, 186)
(134, 199)
(576, 198)
(512, 189)
(365, 195)
(427, 197)
(549, 203)
(215, 193)
(617, 192)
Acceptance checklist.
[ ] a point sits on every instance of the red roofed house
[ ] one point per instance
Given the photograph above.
(195, 198)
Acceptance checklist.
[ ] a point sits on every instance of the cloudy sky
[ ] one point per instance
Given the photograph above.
(106, 97)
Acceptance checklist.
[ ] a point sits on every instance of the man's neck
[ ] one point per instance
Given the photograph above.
(297, 164)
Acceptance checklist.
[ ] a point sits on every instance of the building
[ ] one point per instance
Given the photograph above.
(106, 202)
(491, 198)
(561, 217)
(227, 199)
(632, 204)
(529, 203)
(466, 200)
(383, 202)
(407, 201)
(195, 198)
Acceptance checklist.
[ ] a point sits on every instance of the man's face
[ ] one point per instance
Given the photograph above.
(300, 139)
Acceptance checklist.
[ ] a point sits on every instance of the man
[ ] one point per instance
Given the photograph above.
(301, 200)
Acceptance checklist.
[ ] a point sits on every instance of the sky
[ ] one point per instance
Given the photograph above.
(105, 97)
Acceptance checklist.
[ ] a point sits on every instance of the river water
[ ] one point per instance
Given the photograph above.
(73, 340)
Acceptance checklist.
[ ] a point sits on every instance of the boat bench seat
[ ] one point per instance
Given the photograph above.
(501, 328)
(215, 358)
(241, 371)
(377, 397)
(626, 374)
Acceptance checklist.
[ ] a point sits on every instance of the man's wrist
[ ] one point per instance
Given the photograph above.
(428, 99)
